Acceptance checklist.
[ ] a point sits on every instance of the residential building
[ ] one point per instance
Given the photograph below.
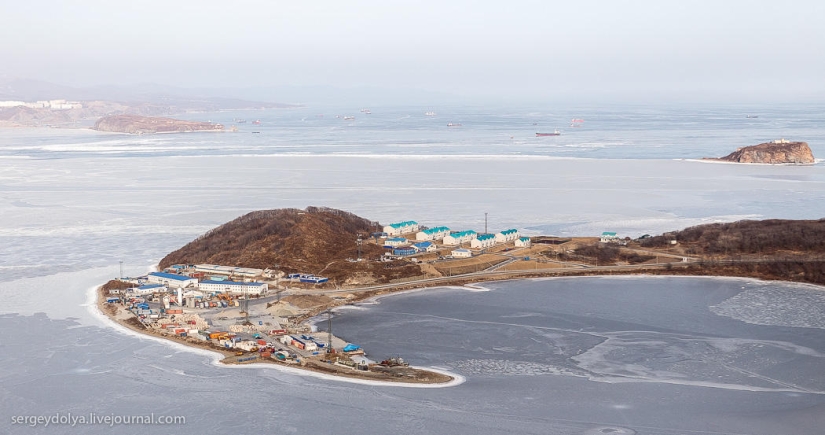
(507, 236)
(400, 228)
(483, 241)
(460, 237)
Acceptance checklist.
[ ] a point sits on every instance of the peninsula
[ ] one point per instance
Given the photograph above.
(778, 152)
(136, 124)
(252, 288)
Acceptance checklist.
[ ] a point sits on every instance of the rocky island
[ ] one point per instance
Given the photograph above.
(778, 152)
(252, 289)
(136, 124)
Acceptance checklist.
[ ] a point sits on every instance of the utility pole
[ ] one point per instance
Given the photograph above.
(329, 331)
(121, 270)
(485, 222)
(358, 242)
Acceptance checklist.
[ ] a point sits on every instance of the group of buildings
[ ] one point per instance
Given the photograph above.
(425, 239)
(45, 104)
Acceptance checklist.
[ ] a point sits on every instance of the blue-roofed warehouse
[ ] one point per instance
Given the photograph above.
(404, 250)
(425, 246)
(171, 279)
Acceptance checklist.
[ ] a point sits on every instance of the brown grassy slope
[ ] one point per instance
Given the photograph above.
(315, 240)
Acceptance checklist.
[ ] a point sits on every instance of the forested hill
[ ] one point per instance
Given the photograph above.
(316, 240)
(767, 237)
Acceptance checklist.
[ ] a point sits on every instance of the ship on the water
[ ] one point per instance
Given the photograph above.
(453, 124)
(554, 133)
(429, 113)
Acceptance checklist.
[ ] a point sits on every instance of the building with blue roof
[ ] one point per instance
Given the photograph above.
(436, 233)
(404, 251)
(400, 228)
(609, 237)
(460, 237)
(171, 280)
(523, 242)
(425, 246)
(147, 289)
(483, 241)
(507, 236)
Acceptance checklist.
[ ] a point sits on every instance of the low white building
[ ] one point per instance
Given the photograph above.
(609, 237)
(246, 272)
(399, 228)
(507, 236)
(234, 287)
(147, 289)
(171, 280)
(460, 237)
(523, 242)
(395, 242)
(430, 234)
(483, 241)
(462, 253)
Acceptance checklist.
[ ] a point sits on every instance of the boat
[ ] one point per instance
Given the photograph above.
(429, 113)
(752, 116)
(453, 124)
(349, 118)
(554, 133)
(240, 121)
(366, 111)
(256, 122)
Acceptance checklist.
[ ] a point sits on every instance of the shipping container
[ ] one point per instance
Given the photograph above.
(266, 354)
(261, 342)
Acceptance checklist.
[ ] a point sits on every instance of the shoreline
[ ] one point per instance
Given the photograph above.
(427, 377)
(433, 377)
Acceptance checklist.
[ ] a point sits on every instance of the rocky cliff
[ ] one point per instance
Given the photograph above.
(776, 152)
(137, 124)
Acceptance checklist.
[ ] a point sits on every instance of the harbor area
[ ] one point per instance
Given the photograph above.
(246, 330)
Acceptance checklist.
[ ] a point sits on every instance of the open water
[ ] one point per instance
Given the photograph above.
(564, 356)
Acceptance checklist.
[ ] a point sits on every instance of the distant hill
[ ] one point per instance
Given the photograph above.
(316, 240)
(146, 124)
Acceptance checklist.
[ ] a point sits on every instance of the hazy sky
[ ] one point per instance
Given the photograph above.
(476, 48)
